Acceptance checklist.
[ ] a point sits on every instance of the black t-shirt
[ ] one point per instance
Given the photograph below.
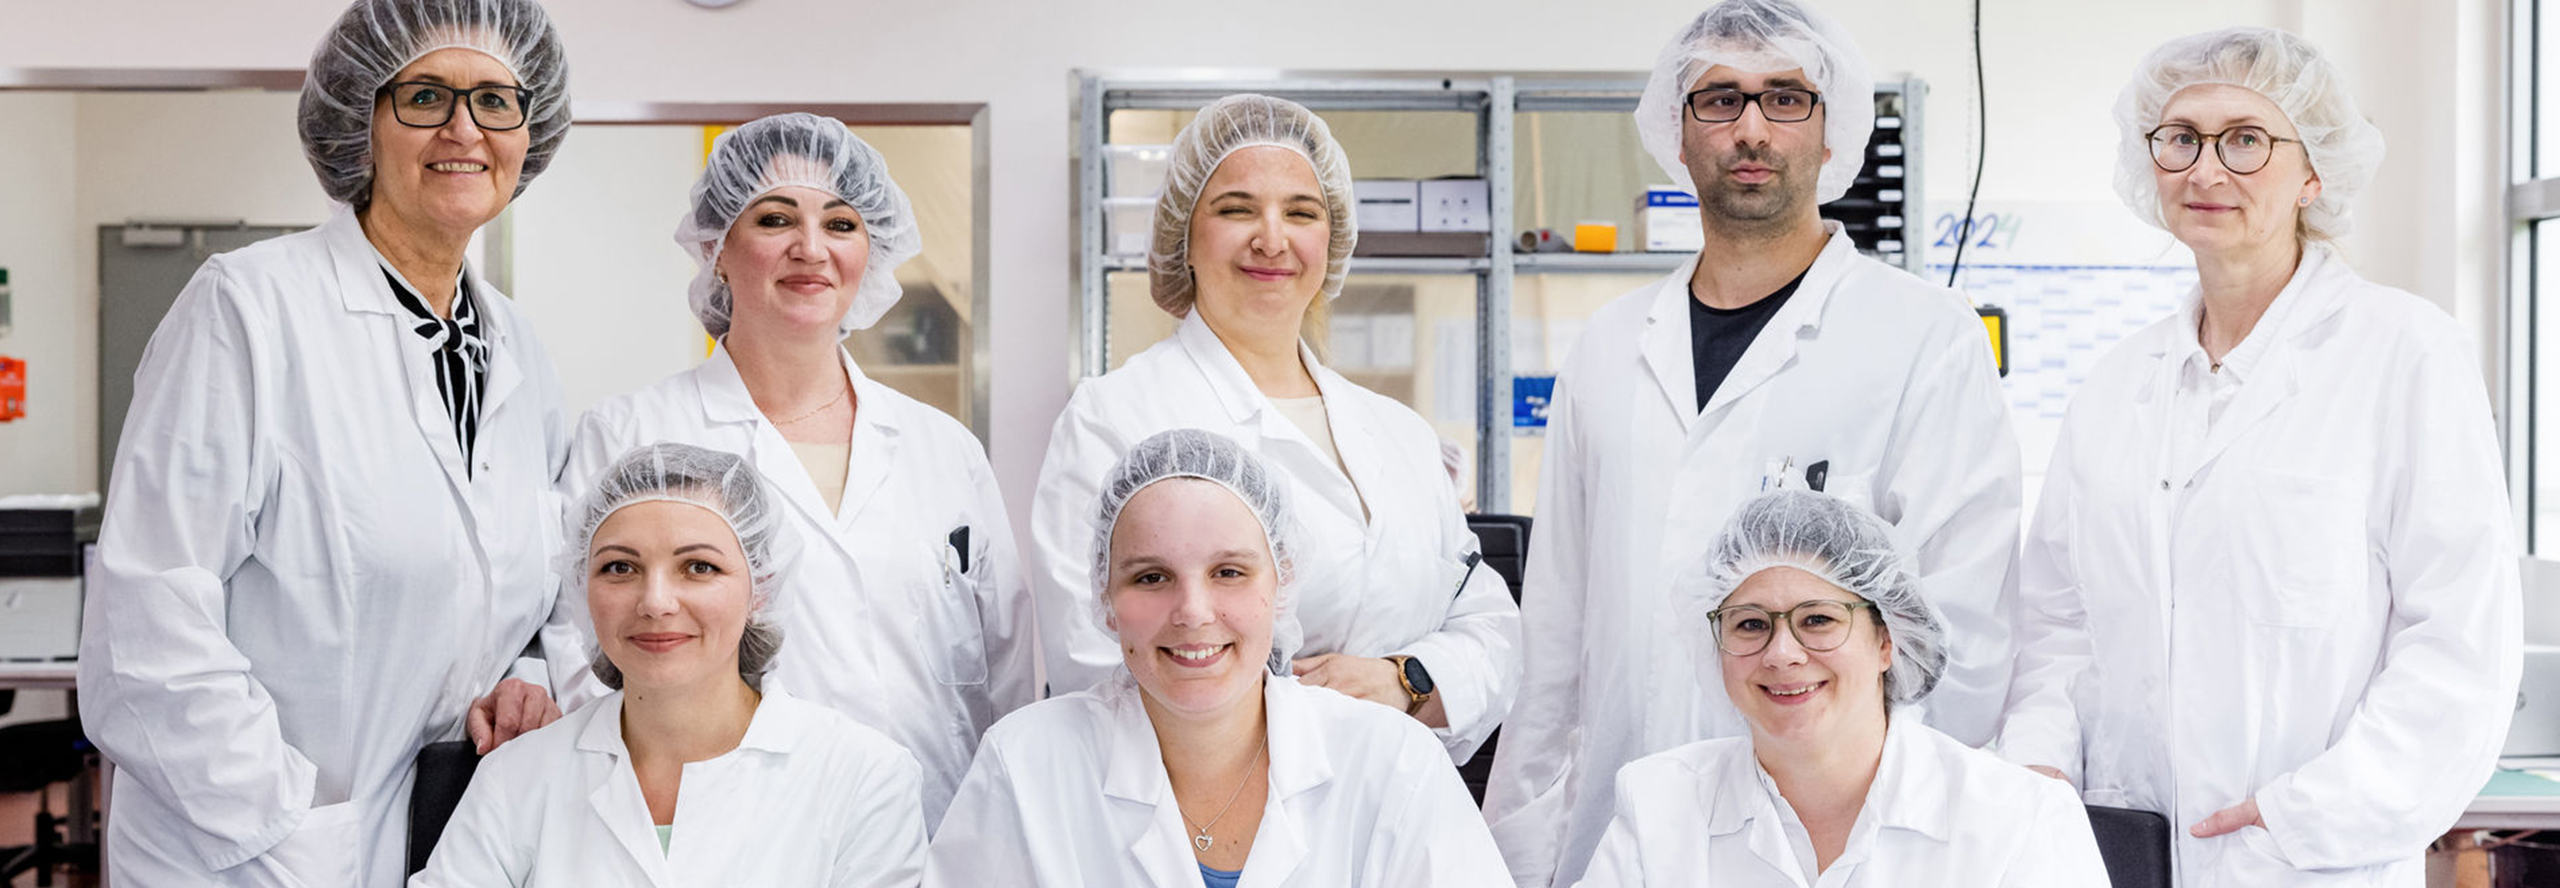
(1719, 336)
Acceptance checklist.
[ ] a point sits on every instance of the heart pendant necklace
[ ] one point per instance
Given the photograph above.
(1201, 840)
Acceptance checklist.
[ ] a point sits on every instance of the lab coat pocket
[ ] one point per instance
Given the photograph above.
(2302, 552)
(325, 849)
(959, 645)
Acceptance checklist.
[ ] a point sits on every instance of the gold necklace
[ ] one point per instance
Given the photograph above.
(1201, 840)
(839, 398)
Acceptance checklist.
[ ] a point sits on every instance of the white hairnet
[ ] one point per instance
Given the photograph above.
(374, 39)
(718, 481)
(1843, 545)
(1215, 458)
(2344, 147)
(1760, 36)
(812, 152)
(1224, 127)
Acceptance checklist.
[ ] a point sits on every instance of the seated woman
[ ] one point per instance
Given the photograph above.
(1202, 758)
(1818, 631)
(694, 771)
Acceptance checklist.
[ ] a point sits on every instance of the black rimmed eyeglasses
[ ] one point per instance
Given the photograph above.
(427, 105)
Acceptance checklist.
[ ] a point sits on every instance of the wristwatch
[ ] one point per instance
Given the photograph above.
(1416, 681)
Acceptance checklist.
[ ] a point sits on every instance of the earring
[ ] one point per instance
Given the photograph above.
(719, 275)
(2306, 201)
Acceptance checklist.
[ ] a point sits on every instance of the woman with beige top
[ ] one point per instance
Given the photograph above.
(1253, 232)
(911, 616)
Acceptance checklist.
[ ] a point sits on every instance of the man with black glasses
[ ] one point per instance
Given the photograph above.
(1777, 357)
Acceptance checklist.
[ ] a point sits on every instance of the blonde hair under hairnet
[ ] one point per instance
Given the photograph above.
(1760, 36)
(1843, 545)
(2343, 147)
(1217, 459)
(374, 39)
(812, 152)
(717, 481)
(1224, 127)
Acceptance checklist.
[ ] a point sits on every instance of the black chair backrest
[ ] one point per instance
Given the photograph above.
(1506, 545)
(2135, 845)
(444, 771)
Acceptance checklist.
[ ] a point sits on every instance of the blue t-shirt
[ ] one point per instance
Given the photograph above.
(1218, 878)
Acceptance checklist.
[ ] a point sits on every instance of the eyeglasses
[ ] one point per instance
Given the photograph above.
(430, 105)
(1723, 105)
(2242, 149)
(1745, 629)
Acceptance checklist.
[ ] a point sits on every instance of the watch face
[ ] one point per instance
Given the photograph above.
(1417, 676)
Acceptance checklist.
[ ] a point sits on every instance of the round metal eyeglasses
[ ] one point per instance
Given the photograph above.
(2242, 149)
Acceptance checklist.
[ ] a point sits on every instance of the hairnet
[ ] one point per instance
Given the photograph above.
(722, 483)
(374, 39)
(2343, 147)
(1224, 127)
(1843, 545)
(812, 152)
(1761, 36)
(1215, 458)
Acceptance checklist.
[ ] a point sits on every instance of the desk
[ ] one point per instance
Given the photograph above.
(54, 675)
(2514, 800)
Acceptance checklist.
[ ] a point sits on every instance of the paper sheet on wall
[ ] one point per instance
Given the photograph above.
(1391, 341)
(1453, 370)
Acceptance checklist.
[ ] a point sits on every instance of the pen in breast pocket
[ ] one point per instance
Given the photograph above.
(960, 545)
(1472, 559)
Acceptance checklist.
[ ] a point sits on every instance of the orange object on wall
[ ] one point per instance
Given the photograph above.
(13, 388)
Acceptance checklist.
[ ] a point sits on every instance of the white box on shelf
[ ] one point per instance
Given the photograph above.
(1128, 224)
(1667, 221)
(1137, 170)
(1388, 204)
(1456, 205)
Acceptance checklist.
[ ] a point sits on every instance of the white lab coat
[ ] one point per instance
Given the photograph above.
(809, 798)
(1939, 813)
(878, 622)
(2318, 608)
(1387, 583)
(1886, 377)
(300, 582)
(1072, 791)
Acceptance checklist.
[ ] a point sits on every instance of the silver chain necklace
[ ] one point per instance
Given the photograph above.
(1201, 840)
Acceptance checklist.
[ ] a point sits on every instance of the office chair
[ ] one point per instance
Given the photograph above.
(42, 754)
(444, 771)
(2135, 845)
(1505, 539)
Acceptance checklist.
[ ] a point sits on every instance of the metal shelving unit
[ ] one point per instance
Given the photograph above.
(1495, 99)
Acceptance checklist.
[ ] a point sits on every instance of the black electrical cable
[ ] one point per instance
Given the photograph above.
(1981, 149)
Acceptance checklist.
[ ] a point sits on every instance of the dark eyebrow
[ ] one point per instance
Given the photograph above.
(1247, 195)
(715, 550)
(617, 547)
(438, 79)
(785, 201)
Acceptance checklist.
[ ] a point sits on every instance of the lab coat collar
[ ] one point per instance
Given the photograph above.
(773, 728)
(2310, 297)
(617, 800)
(1299, 763)
(1234, 389)
(358, 267)
(875, 435)
(1910, 792)
(1667, 348)
(1337, 485)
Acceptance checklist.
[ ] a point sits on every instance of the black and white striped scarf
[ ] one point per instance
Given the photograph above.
(462, 358)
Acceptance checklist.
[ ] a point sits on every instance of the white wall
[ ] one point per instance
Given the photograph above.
(91, 159)
(2054, 67)
(54, 328)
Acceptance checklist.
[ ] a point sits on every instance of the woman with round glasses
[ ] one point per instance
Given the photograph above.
(328, 534)
(1817, 630)
(2270, 592)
